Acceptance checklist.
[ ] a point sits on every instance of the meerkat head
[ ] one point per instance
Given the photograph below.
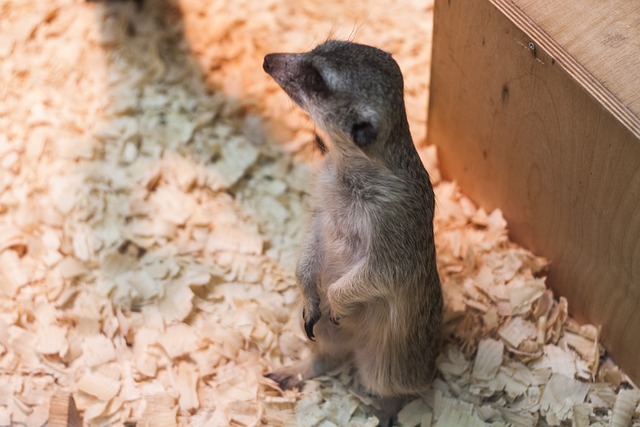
(353, 92)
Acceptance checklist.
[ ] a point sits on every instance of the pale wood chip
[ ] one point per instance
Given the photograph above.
(624, 408)
(544, 305)
(160, 411)
(178, 340)
(207, 360)
(583, 346)
(508, 267)
(485, 281)
(454, 413)
(177, 302)
(516, 330)
(412, 414)
(496, 221)
(5, 416)
(12, 274)
(38, 417)
(612, 374)
(95, 410)
(519, 418)
(488, 359)
(513, 387)
(237, 156)
(560, 394)
(559, 360)
(98, 385)
(97, 350)
(12, 237)
(52, 339)
(452, 361)
(129, 391)
(142, 283)
(146, 363)
(581, 413)
(490, 319)
(180, 169)
(71, 268)
(23, 343)
(230, 238)
(186, 384)
(523, 292)
(308, 413)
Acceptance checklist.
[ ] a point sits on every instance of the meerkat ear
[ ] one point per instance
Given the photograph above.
(363, 133)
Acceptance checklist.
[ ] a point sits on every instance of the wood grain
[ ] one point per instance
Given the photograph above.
(523, 125)
(603, 39)
(63, 411)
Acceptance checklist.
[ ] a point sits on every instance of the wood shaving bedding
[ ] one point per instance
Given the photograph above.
(152, 187)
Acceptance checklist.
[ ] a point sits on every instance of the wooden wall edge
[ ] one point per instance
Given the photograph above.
(573, 68)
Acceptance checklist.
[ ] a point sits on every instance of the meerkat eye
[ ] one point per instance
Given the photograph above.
(313, 81)
(363, 133)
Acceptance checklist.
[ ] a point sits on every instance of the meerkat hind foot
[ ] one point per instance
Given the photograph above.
(387, 410)
(387, 421)
(292, 376)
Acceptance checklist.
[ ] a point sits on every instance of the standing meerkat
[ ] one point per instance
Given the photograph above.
(367, 272)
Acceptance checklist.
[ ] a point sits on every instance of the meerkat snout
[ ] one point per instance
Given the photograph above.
(267, 65)
(367, 271)
(275, 63)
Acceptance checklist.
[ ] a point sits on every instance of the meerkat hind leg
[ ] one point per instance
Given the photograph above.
(292, 376)
(384, 408)
(387, 409)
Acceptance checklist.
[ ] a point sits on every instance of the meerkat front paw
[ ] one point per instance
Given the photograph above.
(310, 315)
(338, 311)
(335, 319)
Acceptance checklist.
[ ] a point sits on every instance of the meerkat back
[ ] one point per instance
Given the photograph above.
(367, 272)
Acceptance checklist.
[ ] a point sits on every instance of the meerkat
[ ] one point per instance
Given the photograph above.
(367, 272)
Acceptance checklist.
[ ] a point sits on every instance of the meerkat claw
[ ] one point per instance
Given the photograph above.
(309, 323)
(308, 328)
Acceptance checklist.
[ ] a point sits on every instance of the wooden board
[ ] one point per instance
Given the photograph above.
(524, 126)
(63, 411)
(602, 37)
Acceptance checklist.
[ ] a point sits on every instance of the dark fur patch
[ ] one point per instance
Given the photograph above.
(312, 81)
(320, 144)
(363, 133)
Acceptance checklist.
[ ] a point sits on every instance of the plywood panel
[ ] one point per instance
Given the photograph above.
(602, 36)
(523, 126)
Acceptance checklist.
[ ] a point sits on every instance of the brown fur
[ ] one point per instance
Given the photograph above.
(367, 272)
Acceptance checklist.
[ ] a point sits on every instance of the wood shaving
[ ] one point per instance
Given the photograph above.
(560, 395)
(488, 359)
(153, 184)
(624, 408)
(99, 386)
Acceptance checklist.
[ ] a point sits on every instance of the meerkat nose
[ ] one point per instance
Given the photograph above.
(267, 65)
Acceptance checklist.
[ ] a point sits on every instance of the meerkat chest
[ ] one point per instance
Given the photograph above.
(345, 220)
(343, 243)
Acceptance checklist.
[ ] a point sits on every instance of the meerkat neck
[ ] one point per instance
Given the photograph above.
(399, 153)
